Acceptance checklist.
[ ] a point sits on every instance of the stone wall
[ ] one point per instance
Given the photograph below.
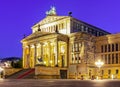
(10, 71)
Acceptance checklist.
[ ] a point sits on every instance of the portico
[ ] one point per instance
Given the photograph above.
(48, 49)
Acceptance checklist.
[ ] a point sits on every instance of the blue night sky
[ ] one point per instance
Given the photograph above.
(18, 16)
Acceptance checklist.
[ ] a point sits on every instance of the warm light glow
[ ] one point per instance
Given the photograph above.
(51, 44)
(112, 76)
(45, 44)
(26, 46)
(38, 45)
(62, 49)
(51, 61)
(44, 62)
(63, 31)
(1, 69)
(58, 61)
(99, 63)
(97, 78)
(32, 46)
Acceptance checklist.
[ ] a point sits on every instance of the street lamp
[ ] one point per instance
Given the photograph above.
(99, 64)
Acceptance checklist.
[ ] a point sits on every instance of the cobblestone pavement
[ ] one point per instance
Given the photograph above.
(58, 83)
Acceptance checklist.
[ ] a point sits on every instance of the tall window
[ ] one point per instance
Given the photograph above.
(105, 59)
(76, 47)
(105, 48)
(112, 47)
(79, 27)
(108, 47)
(95, 33)
(116, 46)
(112, 58)
(108, 58)
(82, 28)
(116, 58)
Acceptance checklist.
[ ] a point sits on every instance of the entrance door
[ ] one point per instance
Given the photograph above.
(63, 74)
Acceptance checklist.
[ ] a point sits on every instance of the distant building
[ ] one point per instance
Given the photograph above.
(6, 62)
(65, 47)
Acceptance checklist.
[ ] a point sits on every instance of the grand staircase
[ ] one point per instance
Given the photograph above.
(23, 74)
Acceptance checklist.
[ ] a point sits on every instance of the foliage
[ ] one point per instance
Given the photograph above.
(17, 64)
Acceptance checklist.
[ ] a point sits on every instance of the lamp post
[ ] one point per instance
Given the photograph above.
(99, 64)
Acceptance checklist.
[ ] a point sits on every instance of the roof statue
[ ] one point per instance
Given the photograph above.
(51, 12)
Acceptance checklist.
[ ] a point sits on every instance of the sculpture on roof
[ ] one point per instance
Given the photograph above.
(51, 12)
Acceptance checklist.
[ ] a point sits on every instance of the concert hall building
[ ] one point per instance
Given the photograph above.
(65, 47)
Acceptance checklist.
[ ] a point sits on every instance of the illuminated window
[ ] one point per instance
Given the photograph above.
(82, 28)
(76, 46)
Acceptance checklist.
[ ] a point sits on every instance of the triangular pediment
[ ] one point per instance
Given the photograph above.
(50, 19)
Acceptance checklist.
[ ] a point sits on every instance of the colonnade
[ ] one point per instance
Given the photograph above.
(46, 53)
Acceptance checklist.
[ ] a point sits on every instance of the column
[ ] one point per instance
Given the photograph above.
(32, 56)
(28, 56)
(49, 56)
(24, 57)
(66, 56)
(71, 52)
(107, 48)
(110, 47)
(115, 48)
(42, 50)
(57, 51)
(35, 54)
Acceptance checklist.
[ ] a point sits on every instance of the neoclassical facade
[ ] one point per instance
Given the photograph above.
(65, 47)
